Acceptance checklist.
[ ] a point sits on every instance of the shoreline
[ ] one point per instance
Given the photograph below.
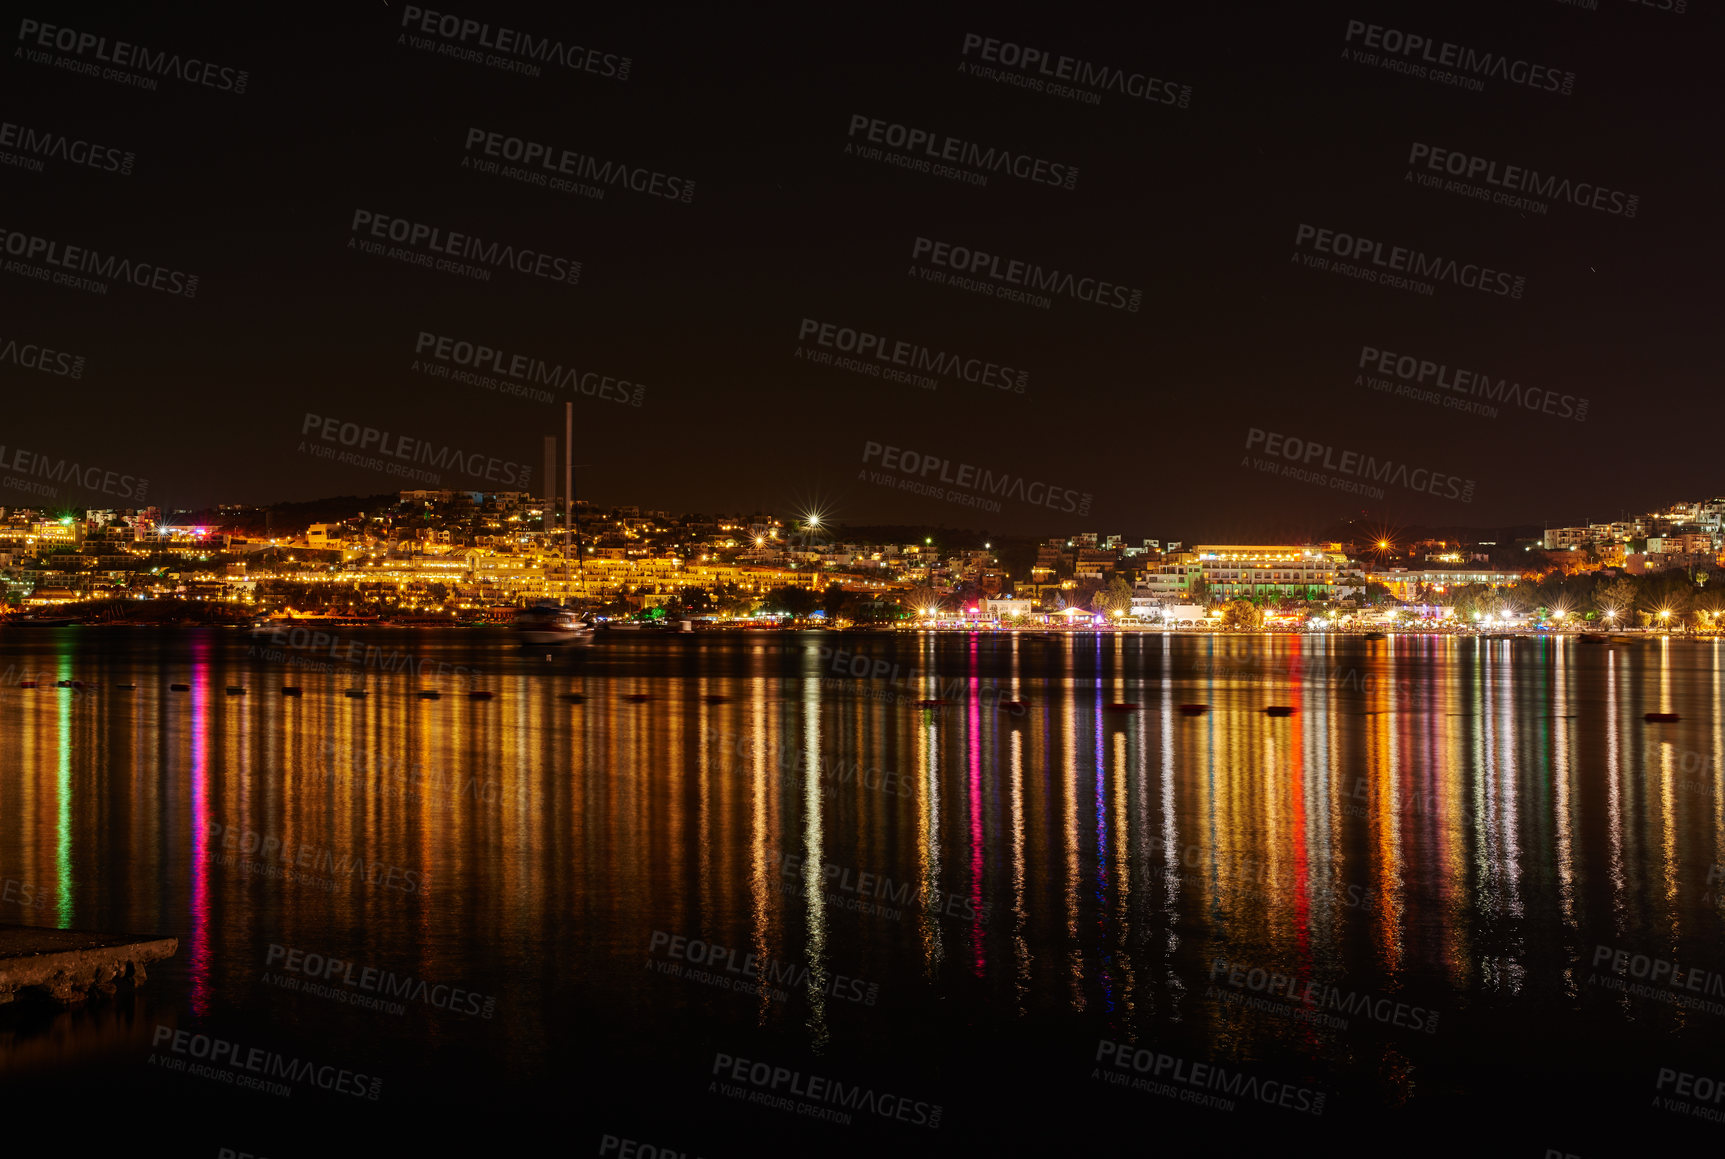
(1033, 633)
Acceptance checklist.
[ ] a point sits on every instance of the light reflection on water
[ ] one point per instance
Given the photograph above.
(1455, 822)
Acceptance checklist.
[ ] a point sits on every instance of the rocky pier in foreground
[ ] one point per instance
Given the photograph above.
(68, 966)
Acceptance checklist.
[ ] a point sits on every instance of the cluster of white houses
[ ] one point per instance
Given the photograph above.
(1683, 527)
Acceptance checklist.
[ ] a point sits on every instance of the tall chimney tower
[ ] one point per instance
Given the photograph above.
(548, 483)
(568, 484)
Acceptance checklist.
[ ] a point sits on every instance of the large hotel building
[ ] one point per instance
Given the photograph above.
(1256, 570)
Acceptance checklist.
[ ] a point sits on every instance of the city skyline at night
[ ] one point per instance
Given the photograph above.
(973, 580)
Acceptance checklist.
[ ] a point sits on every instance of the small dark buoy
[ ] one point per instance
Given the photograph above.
(1660, 717)
(1012, 705)
(290, 690)
(1194, 709)
(430, 694)
(573, 697)
(478, 694)
(62, 684)
(179, 688)
(26, 684)
(1279, 710)
(127, 687)
(356, 693)
(715, 699)
(236, 690)
(636, 697)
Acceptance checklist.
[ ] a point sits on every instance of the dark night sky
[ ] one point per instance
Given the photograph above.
(701, 302)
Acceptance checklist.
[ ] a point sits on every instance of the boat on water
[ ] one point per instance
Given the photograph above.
(274, 624)
(549, 621)
(41, 620)
(551, 624)
(1375, 636)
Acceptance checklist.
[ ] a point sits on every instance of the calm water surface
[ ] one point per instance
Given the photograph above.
(1054, 911)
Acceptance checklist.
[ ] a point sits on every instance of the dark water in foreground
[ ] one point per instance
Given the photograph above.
(1461, 897)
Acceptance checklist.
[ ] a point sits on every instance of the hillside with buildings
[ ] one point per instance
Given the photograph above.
(455, 556)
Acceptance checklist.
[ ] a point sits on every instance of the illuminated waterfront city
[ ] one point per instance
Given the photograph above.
(677, 583)
(453, 557)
